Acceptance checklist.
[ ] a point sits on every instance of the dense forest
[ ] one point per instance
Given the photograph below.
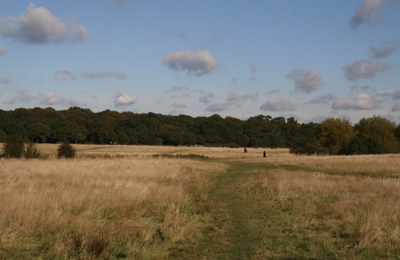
(80, 125)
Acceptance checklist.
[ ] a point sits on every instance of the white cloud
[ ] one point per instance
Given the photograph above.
(389, 48)
(324, 99)
(5, 80)
(123, 99)
(176, 88)
(179, 105)
(232, 97)
(277, 104)
(217, 107)
(3, 51)
(396, 107)
(51, 99)
(361, 102)
(102, 74)
(199, 63)
(307, 81)
(363, 69)
(40, 26)
(369, 13)
(65, 74)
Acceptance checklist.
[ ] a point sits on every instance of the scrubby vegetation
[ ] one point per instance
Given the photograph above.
(66, 150)
(14, 146)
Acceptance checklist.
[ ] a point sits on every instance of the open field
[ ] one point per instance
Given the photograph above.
(121, 202)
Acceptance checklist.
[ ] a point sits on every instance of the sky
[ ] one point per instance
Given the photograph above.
(306, 59)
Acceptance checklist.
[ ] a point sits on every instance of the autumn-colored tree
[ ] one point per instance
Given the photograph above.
(14, 146)
(380, 130)
(334, 134)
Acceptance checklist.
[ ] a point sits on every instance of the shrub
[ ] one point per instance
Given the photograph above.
(31, 151)
(66, 150)
(14, 146)
(355, 146)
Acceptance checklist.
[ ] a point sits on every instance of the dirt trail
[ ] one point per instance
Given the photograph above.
(238, 240)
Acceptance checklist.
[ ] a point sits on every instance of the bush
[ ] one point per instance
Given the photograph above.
(66, 150)
(355, 146)
(31, 151)
(14, 146)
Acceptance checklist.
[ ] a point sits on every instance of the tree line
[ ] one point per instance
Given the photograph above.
(81, 125)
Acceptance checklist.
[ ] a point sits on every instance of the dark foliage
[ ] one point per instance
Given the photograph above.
(31, 151)
(373, 146)
(14, 146)
(307, 146)
(66, 150)
(355, 146)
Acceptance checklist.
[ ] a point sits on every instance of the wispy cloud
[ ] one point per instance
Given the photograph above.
(217, 107)
(389, 48)
(253, 67)
(232, 97)
(207, 98)
(324, 100)
(102, 74)
(40, 26)
(65, 74)
(51, 99)
(5, 80)
(3, 51)
(176, 88)
(273, 92)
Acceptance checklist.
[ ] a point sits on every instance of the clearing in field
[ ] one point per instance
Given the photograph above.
(159, 202)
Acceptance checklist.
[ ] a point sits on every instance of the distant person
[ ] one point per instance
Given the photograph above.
(265, 154)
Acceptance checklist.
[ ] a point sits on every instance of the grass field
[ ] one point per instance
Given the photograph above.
(160, 202)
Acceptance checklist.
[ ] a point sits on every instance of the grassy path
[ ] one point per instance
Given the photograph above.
(238, 238)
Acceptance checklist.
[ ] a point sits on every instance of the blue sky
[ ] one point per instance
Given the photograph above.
(307, 59)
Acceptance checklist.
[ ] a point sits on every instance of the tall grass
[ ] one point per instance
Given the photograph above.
(311, 214)
(138, 207)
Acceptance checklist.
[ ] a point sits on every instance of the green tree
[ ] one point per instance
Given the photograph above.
(31, 151)
(3, 136)
(14, 146)
(355, 146)
(380, 130)
(334, 134)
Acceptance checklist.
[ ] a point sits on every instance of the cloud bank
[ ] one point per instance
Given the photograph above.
(363, 69)
(361, 102)
(217, 107)
(396, 107)
(51, 99)
(232, 97)
(40, 26)
(306, 81)
(207, 98)
(197, 63)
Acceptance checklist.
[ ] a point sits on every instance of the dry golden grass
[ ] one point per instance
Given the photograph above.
(346, 215)
(146, 150)
(46, 203)
(386, 165)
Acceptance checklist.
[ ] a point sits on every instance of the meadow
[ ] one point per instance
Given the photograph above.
(163, 202)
